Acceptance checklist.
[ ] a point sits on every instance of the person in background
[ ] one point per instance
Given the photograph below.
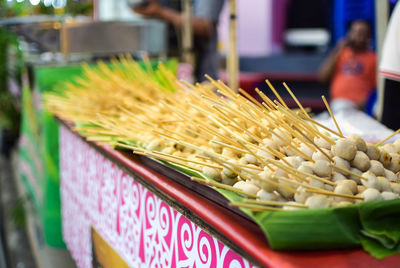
(204, 23)
(351, 68)
(389, 69)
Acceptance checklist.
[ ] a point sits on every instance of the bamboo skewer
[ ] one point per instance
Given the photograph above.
(295, 121)
(297, 172)
(276, 93)
(222, 186)
(230, 166)
(266, 100)
(333, 117)
(297, 183)
(324, 127)
(313, 143)
(298, 135)
(349, 172)
(334, 194)
(273, 203)
(251, 98)
(382, 141)
(251, 109)
(156, 154)
(168, 159)
(229, 146)
(300, 124)
(255, 207)
(180, 135)
(236, 169)
(256, 156)
(235, 124)
(99, 138)
(296, 100)
(222, 137)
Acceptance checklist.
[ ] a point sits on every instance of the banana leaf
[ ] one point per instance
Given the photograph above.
(372, 225)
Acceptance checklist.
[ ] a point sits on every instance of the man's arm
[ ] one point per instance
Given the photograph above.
(201, 26)
(328, 67)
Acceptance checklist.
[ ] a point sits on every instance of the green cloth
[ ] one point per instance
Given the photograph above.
(39, 155)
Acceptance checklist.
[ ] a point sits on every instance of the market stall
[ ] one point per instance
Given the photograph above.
(149, 219)
(138, 209)
(128, 166)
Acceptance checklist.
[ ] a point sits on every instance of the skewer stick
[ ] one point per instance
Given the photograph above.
(256, 112)
(217, 134)
(156, 154)
(251, 98)
(276, 93)
(100, 138)
(334, 194)
(277, 154)
(288, 170)
(330, 112)
(229, 146)
(95, 131)
(255, 176)
(296, 182)
(270, 103)
(256, 156)
(168, 159)
(235, 124)
(233, 148)
(265, 99)
(302, 125)
(382, 141)
(222, 186)
(225, 128)
(301, 138)
(206, 128)
(273, 203)
(245, 117)
(189, 138)
(224, 106)
(295, 120)
(272, 132)
(315, 145)
(227, 88)
(212, 118)
(302, 154)
(297, 172)
(349, 172)
(237, 164)
(230, 166)
(324, 127)
(256, 208)
(296, 100)
(205, 112)
(251, 109)
(250, 167)
(221, 86)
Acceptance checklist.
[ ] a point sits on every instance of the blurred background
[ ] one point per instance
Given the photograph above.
(42, 43)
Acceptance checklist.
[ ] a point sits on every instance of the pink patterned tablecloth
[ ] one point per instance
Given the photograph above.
(143, 229)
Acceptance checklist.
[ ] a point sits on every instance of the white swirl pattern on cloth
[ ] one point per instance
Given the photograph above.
(144, 230)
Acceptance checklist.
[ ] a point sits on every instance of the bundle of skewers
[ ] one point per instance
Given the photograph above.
(276, 158)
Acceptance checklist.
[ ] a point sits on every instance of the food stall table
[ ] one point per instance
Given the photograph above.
(146, 219)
